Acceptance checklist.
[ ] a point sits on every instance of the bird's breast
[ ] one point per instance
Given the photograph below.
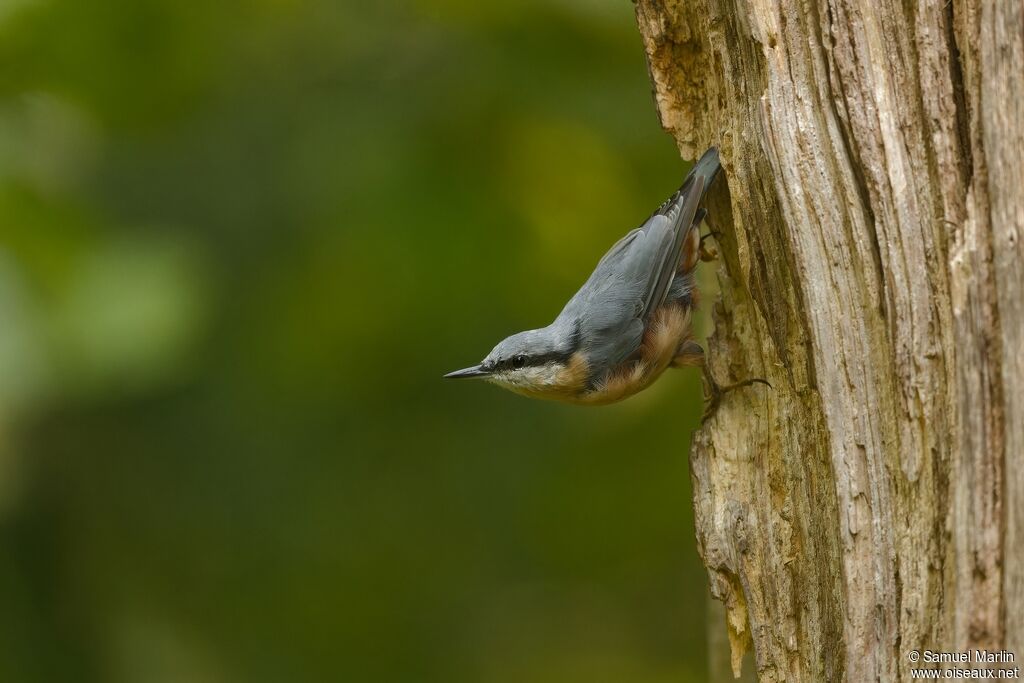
(668, 330)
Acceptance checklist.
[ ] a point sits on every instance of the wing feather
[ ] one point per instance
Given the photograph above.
(681, 214)
(631, 281)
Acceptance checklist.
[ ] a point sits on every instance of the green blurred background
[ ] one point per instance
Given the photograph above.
(240, 242)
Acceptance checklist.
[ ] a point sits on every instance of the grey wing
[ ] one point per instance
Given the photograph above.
(611, 310)
(680, 214)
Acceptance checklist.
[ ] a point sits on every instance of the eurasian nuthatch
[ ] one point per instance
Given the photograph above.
(630, 320)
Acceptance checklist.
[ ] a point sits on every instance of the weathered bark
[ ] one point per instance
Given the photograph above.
(869, 503)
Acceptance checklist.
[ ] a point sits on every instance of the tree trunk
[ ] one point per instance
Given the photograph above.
(868, 504)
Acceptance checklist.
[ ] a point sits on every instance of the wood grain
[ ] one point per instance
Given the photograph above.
(870, 503)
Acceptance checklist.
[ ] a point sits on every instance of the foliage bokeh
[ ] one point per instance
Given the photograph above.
(239, 245)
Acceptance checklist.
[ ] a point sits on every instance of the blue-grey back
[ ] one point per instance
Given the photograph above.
(611, 310)
(608, 310)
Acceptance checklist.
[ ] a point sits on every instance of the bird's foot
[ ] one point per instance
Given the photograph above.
(708, 253)
(689, 354)
(713, 391)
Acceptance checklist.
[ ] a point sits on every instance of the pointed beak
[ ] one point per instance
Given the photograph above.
(475, 371)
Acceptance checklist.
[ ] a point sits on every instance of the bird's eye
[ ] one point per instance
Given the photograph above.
(518, 361)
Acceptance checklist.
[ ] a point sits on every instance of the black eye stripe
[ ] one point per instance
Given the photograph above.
(532, 361)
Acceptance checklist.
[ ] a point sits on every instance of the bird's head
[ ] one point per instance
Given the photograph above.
(534, 363)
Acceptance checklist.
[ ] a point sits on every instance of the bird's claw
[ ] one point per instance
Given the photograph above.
(714, 392)
(708, 253)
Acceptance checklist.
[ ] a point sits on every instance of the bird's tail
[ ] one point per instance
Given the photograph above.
(708, 167)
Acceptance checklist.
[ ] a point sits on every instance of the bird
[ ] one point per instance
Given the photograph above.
(628, 323)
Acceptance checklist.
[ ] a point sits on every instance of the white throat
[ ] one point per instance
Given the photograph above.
(538, 378)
